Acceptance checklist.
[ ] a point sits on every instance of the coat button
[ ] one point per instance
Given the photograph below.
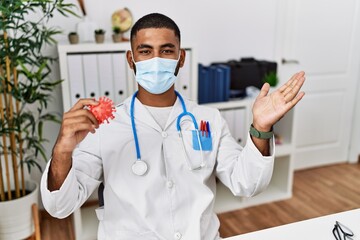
(169, 184)
(177, 236)
(164, 134)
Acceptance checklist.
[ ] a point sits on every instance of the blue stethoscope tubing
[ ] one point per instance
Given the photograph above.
(140, 167)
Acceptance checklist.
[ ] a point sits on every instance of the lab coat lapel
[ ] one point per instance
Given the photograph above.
(141, 114)
(175, 112)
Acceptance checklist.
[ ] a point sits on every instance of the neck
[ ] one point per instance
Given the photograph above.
(165, 99)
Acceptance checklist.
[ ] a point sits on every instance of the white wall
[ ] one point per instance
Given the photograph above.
(220, 30)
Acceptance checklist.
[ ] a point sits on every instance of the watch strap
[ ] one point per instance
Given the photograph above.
(258, 134)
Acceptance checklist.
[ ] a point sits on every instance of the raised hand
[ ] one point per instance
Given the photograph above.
(270, 108)
(76, 124)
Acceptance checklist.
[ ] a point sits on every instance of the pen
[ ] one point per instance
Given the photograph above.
(208, 128)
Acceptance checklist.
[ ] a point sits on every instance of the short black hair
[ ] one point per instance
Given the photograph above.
(154, 20)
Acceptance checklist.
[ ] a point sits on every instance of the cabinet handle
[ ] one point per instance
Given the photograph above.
(291, 61)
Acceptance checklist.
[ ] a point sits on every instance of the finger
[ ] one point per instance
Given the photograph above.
(73, 128)
(77, 119)
(295, 100)
(290, 93)
(264, 90)
(81, 113)
(291, 81)
(83, 119)
(84, 102)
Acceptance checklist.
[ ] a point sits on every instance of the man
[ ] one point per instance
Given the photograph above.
(160, 184)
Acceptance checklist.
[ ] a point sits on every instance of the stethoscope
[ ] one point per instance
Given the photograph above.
(140, 167)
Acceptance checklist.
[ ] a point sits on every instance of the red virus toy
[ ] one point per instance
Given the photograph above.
(104, 110)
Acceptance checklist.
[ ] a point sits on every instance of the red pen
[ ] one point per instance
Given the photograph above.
(202, 127)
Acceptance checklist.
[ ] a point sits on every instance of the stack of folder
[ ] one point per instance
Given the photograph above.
(214, 83)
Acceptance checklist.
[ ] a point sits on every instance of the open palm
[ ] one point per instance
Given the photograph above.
(270, 108)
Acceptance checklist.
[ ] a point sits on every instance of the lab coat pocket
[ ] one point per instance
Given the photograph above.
(201, 141)
(197, 156)
(100, 213)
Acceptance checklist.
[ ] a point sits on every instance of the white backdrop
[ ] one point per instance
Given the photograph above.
(220, 30)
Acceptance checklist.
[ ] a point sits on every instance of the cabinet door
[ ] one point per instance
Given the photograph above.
(236, 120)
(75, 78)
(106, 78)
(119, 68)
(321, 38)
(240, 126)
(184, 83)
(91, 75)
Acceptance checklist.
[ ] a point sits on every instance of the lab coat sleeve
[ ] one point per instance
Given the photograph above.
(83, 178)
(245, 171)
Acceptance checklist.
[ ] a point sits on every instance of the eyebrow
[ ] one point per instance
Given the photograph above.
(142, 46)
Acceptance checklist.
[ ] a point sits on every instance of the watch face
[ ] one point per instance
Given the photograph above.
(122, 19)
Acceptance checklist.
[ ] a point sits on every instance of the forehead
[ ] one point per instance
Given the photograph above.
(155, 37)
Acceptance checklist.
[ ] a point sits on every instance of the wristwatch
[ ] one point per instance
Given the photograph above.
(262, 135)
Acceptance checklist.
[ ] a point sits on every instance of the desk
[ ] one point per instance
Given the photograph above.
(316, 228)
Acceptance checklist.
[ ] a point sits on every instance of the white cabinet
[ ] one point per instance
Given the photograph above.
(238, 115)
(94, 70)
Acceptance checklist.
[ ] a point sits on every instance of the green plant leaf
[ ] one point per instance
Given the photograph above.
(35, 88)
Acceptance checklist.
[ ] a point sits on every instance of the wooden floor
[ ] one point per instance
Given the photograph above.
(56, 229)
(316, 192)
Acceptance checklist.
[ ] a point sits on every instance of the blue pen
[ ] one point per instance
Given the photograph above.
(208, 128)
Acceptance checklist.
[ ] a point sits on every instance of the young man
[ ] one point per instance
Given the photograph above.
(160, 184)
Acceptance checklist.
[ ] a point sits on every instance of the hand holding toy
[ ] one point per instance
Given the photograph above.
(104, 110)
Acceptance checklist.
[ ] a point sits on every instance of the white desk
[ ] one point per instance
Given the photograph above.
(317, 228)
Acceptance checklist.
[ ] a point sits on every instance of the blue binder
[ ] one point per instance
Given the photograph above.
(214, 83)
(226, 82)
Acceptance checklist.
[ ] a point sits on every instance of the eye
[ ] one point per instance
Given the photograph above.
(167, 51)
(144, 52)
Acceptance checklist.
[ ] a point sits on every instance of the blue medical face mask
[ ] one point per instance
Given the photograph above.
(156, 75)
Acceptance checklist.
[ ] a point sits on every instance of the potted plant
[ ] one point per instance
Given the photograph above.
(73, 38)
(99, 35)
(117, 34)
(271, 78)
(25, 90)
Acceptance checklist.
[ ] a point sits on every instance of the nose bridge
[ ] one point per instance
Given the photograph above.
(156, 52)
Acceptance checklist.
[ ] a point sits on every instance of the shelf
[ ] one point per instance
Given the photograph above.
(93, 47)
(283, 149)
(231, 104)
(90, 223)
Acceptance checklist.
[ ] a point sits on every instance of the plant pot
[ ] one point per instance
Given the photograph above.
(117, 37)
(74, 39)
(99, 38)
(16, 221)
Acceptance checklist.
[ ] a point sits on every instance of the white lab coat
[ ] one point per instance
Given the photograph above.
(170, 201)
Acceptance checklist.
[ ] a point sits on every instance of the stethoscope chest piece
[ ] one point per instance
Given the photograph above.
(139, 167)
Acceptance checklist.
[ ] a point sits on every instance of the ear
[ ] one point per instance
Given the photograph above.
(129, 58)
(182, 57)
